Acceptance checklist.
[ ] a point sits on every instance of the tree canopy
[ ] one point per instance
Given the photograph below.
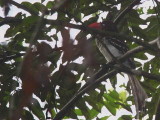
(45, 61)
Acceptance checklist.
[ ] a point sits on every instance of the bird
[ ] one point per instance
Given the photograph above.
(111, 47)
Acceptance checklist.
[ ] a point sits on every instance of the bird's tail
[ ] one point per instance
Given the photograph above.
(139, 93)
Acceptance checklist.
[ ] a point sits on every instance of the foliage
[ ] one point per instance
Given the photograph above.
(42, 66)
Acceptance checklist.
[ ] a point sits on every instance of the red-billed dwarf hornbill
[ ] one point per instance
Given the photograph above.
(112, 47)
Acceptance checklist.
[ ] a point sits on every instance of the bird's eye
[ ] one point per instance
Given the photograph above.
(103, 25)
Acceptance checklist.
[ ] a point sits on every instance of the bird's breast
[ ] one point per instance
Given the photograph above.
(107, 49)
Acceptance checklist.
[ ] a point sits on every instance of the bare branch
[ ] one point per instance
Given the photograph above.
(138, 49)
(125, 69)
(146, 74)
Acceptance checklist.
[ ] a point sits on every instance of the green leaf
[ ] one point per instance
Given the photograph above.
(153, 28)
(141, 56)
(78, 112)
(154, 103)
(134, 18)
(151, 10)
(90, 10)
(84, 109)
(140, 10)
(104, 118)
(50, 4)
(36, 109)
(27, 115)
(92, 102)
(10, 32)
(114, 94)
(39, 6)
(123, 96)
(125, 117)
(125, 106)
(139, 32)
(155, 65)
(93, 113)
(53, 113)
(30, 20)
(110, 107)
(29, 6)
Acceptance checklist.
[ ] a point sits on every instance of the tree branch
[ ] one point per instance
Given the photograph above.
(146, 75)
(125, 69)
(8, 20)
(138, 49)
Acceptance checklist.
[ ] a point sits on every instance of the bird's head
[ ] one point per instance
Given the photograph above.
(105, 25)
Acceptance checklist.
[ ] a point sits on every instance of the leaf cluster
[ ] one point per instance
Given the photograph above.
(42, 69)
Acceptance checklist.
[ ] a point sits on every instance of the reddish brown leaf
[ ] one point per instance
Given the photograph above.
(67, 45)
(43, 49)
(34, 74)
(86, 49)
